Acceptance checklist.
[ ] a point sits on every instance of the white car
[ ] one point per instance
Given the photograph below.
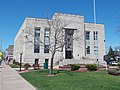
(114, 62)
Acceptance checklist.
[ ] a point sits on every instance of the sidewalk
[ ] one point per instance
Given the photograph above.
(11, 80)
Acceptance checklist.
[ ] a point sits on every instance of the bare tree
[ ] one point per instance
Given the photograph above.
(56, 35)
(57, 40)
(117, 48)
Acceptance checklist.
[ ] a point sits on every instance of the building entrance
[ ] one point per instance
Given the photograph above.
(69, 55)
(36, 61)
(69, 43)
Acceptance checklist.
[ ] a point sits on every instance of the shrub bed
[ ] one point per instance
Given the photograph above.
(75, 66)
(26, 66)
(91, 67)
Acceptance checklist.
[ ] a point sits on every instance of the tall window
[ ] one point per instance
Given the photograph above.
(87, 35)
(46, 40)
(95, 50)
(88, 49)
(95, 35)
(37, 40)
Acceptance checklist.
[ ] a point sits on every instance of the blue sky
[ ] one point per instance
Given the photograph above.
(13, 13)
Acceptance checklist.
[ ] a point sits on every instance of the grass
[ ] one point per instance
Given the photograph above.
(15, 66)
(68, 80)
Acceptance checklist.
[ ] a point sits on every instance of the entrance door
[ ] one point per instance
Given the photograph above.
(46, 60)
(46, 64)
(69, 43)
(36, 61)
(69, 55)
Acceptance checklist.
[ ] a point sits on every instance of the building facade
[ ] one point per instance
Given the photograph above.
(8, 54)
(88, 49)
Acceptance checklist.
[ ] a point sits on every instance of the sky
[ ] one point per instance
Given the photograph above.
(13, 13)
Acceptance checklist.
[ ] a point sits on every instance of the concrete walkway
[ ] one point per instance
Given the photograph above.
(11, 80)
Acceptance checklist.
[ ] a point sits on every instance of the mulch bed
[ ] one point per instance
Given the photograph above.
(82, 69)
(115, 74)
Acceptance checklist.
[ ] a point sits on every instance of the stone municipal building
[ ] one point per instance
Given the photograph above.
(89, 49)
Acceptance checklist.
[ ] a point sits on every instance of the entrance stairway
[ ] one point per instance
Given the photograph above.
(65, 67)
(64, 62)
(68, 67)
(76, 61)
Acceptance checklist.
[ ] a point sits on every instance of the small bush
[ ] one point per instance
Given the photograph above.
(27, 65)
(75, 66)
(91, 67)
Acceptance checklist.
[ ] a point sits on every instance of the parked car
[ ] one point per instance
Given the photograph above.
(113, 62)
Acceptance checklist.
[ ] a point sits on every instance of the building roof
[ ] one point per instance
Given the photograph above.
(11, 47)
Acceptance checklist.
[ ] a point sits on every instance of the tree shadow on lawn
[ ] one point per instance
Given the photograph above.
(57, 73)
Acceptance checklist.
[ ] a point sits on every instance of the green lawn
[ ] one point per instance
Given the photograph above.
(68, 80)
(15, 66)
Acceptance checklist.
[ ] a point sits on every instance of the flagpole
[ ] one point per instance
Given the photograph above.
(94, 2)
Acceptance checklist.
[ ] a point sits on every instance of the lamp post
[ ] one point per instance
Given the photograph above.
(20, 60)
(97, 63)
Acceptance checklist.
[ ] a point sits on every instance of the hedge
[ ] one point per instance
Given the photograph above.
(75, 66)
(27, 65)
(91, 67)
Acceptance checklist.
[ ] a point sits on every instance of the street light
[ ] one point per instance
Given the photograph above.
(20, 60)
(97, 63)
